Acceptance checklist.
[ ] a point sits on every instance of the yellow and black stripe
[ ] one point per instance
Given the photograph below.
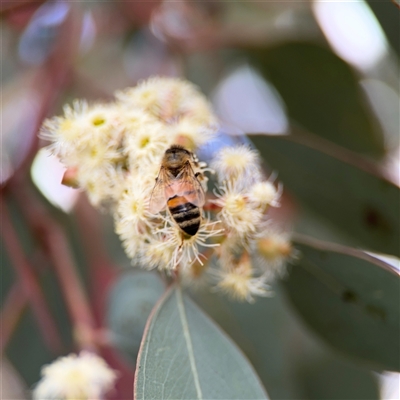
(186, 214)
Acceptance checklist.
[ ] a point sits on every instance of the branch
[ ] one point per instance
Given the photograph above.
(28, 281)
(102, 270)
(11, 313)
(55, 246)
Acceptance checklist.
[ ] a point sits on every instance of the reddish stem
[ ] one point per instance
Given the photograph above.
(11, 313)
(12, 6)
(55, 245)
(212, 207)
(102, 271)
(28, 281)
(396, 3)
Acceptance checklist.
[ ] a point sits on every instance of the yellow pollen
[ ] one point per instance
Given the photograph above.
(94, 152)
(271, 248)
(136, 207)
(144, 142)
(146, 95)
(133, 120)
(236, 284)
(69, 131)
(90, 187)
(75, 377)
(97, 121)
(235, 204)
(66, 125)
(232, 160)
(235, 161)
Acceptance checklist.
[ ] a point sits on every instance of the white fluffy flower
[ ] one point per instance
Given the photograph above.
(239, 165)
(272, 249)
(191, 134)
(237, 214)
(168, 99)
(132, 210)
(84, 377)
(82, 128)
(87, 138)
(147, 143)
(264, 194)
(187, 250)
(236, 279)
(157, 252)
(102, 185)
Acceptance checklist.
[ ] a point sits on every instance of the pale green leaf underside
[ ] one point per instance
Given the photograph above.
(133, 296)
(184, 355)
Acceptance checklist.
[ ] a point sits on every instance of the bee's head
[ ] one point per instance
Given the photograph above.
(176, 156)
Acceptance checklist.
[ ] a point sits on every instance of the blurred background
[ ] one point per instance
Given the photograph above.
(329, 68)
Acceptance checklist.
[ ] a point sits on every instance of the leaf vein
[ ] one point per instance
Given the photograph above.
(189, 345)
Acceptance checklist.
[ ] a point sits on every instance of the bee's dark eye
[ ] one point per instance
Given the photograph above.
(177, 149)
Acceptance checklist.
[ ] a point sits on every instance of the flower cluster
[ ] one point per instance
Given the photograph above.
(244, 197)
(108, 146)
(85, 376)
(113, 151)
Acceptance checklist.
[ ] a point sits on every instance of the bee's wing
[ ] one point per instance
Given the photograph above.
(158, 199)
(189, 187)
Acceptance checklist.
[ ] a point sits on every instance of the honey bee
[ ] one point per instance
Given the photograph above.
(178, 188)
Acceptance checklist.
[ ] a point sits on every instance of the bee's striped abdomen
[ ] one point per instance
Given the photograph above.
(185, 214)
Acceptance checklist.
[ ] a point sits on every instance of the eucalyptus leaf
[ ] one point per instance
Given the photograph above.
(350, 299)
(339, 185)
(332, 378)
(184, 355)
(27, 349)
(290, 359)
(387, 14)
(322, 94)
(131, 300)
(264, 331)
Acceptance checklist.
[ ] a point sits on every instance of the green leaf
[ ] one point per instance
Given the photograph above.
(339, 185)
(27, 349)
(288, 357)
(131, 300)
(332, 378)
(322, 94)
(387, 13)
(263, 330)
(350, 299)
(184, 355)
